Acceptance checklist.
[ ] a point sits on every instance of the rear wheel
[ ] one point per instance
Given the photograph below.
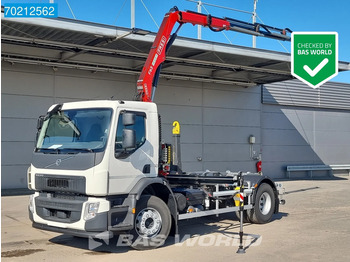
(264, 206)
(245, 216)
(152, 223)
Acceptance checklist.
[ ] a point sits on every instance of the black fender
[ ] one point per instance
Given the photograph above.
(256, 180)
(159, 187)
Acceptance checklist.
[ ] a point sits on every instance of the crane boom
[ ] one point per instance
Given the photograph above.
(148, 79)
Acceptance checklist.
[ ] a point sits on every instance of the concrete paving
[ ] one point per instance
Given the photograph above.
(314, 225)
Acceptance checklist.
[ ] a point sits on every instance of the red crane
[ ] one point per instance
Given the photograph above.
(148, 79)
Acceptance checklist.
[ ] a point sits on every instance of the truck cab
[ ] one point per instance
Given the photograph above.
(88, 158)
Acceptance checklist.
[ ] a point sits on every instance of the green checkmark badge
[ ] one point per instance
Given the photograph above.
(314, 57)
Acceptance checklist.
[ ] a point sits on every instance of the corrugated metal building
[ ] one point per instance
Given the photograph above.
(221, 94)
(303, 126)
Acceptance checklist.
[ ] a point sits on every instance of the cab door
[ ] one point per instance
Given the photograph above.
(134, 153)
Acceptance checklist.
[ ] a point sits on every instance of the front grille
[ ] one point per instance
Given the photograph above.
(62, 183)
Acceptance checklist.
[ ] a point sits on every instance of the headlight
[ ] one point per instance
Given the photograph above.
(31, 203)
(29, 176)
(91, 210)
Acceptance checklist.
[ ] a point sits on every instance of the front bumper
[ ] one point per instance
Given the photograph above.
(75, 232)
(68, 215)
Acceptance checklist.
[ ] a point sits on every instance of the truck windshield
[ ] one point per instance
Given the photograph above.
(74, 131)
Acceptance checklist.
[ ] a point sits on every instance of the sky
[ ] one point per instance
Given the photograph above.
(298, 15)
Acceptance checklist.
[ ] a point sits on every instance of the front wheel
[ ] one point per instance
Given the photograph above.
(264, 206)
(152, 223)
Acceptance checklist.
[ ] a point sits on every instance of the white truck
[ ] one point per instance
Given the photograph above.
(99, 167)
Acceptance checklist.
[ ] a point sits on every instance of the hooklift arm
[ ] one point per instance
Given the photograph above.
(148, 79)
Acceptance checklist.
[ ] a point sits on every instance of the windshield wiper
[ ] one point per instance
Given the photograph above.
(78, 149)
(61, 150)
(48, 150)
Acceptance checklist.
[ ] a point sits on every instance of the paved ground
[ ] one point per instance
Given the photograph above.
(314, 225)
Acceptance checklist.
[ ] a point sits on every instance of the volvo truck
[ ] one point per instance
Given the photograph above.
(100, 168)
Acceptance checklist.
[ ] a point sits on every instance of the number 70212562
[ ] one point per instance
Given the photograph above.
(30, 10)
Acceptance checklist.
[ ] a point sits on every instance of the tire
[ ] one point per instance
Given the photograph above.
(151, 225)
(245, 216)
(264, 206)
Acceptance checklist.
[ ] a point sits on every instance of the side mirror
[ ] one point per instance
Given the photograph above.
(128, 119)
(40, 122)
(129, 139)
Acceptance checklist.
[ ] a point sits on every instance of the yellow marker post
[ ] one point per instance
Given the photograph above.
(176, 147)
(176, 128)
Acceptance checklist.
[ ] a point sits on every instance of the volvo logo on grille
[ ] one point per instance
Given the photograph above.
(58, 162)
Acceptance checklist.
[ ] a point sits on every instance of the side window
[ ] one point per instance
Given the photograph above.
(139, 129)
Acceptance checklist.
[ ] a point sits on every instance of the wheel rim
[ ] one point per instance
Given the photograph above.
(265, 203)
(148, 223)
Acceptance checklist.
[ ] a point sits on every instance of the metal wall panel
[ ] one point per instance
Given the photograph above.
(296, 93)
(303, 136)
(304, 126)
(216, 120)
